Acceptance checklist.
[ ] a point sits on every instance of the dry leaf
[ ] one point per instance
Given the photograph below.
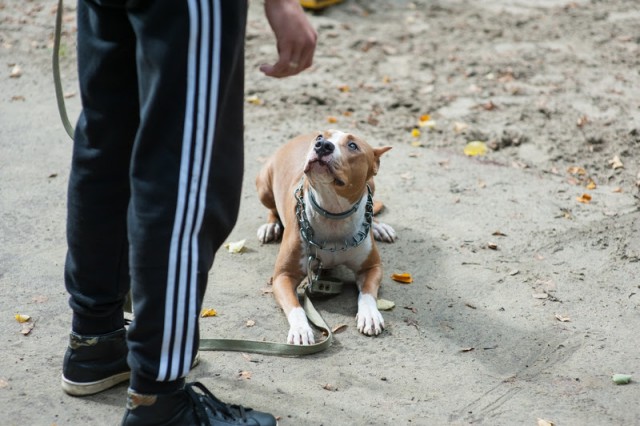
(384, 304)
(615, 163)
(492, 246)
(404, 278)
(339, 328)
(254, 100)
(208, 313)
(562, 319)
(18, 98)
(344, 88)
(543, 422)
(415, 133)
(582, 121)
(27, 327)
(16, 71)
(236, 247)
(499, 234)
(475, 148)
(584, 198)
(250, 323)
(331, 119)
(466, 349)
(591, 185)
(617, 189)
(386, 79)
(459, 127)
(21, 318)
(575, 170)
(329, 387)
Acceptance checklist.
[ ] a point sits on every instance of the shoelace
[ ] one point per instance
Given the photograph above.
(206, 399)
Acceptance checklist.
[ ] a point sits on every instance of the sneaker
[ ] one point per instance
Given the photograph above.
(95, 363)
(193, 405)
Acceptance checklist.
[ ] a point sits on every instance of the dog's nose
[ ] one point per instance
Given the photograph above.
(323, 147)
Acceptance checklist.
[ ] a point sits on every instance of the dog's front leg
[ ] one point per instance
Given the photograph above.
(369, 319)
(284, 290)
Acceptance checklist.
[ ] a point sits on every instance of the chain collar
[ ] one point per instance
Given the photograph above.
(307, 233)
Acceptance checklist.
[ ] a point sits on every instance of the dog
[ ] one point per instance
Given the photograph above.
(318, 189)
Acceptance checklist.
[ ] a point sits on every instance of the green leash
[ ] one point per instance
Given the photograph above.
(252, 346)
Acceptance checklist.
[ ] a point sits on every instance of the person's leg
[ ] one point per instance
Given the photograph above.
(186, 177)
(96, 268)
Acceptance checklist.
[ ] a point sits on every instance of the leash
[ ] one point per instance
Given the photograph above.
(252, 346)
(57, 81)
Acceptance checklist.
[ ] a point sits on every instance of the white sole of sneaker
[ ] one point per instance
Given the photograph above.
(90, 388)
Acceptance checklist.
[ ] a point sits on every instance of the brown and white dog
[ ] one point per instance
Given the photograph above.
(319, 183)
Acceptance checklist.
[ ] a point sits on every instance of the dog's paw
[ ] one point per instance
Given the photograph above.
(269, 232)
(384, 232)
(300, 332)
(369, 319)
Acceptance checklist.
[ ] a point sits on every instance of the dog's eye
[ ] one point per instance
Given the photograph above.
(352, 146)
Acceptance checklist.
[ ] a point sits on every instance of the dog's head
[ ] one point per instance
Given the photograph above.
(342, 161)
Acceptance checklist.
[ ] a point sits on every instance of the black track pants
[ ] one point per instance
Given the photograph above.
(156, 171)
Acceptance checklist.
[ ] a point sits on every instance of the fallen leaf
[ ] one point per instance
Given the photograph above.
(329, 387)
(582, 121)
(386, 79)
(615, 163)
(404, 277)
(492, 246)
(425, 118)
(415, 133)
(621, 379)
(339, 328)
(617, 189)
(514, 272)
(469, 305)
(562, 318)
(385, 305)
(236, 247)
(575, 170)
(412, 309)
(254, 100)
(27, 327)
(475, 148)
(543, 422)
(331, 119)
(69, 95)
(466, 349)
(21, 318)
(344, 88)
(459, 127)
(245, 375)
(489, 106)
(540, 295)
(499, 234)
(591, 185)
(208, 313)
(250, 323)
(18, 98)
(584, 198)
(16, 71)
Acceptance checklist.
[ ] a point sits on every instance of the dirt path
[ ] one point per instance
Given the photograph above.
(525, 300)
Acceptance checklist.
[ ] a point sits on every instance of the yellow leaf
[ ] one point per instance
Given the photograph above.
(208, 313)
(475, 148)
(584, 198)
(236, 247)
(22, 318)
(344, 88)
(332, 119)
(386, 79)
(575, 170)
(415, 133)
(591, 184)
(404, 277)
(254, 100)
(425, 117)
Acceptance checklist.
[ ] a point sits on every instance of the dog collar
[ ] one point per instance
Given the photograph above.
(307, 232)
(328, 214)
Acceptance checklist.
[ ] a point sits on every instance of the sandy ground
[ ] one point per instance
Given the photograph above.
(525, 300)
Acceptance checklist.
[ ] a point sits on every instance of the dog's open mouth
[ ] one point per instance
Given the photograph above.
(327, 166)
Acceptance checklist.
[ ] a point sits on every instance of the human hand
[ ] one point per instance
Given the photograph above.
(295, 38)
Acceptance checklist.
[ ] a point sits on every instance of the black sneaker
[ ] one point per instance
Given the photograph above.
(95, 363)
(189, 407)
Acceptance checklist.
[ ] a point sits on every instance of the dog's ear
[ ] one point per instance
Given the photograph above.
(377, 153)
